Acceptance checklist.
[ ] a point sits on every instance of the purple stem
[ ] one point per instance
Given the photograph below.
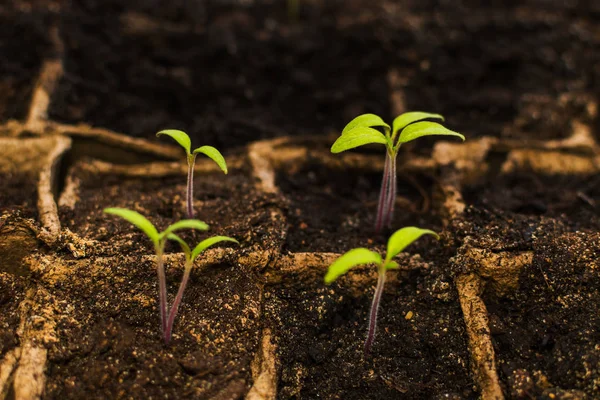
(392, 192)
(374, 309)
(176, 303)
(383, 193)
(162, 288)
(190, 187)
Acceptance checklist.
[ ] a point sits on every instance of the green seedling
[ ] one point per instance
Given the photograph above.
(397, 242)
(405, 128)
(184, 141)
(159, 240)
(190, 257)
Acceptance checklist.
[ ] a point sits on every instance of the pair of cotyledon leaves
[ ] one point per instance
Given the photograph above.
(410, 125)
(397, 242)
(184, 141)
(158, 238)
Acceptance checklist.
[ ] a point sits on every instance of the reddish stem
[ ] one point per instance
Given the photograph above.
(190, 188)
(383, 193)
(374, 310)
(176, 303)
(392, 193)
(162, 287)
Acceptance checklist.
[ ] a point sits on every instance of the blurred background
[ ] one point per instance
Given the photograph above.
(229, 72)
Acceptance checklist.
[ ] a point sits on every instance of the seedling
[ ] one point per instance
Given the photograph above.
(405, 128)
(190, 257)
(397, 242)
(184, 141)
(159, 240)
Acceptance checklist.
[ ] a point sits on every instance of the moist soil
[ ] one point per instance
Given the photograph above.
(545, 334)
(523, 70)
(109, 342)
(18, 195)
(347, 206)
(229, 204)
(12, 292)
(420, 351)
(19, 68)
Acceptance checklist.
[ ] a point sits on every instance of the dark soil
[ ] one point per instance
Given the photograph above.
(321, 332)
(335, 210)
(228, 204)
(549, 327)
(12, 292)
(521, 70)
(18, 195)
(546, 333)
(575, 200)
(210, 71)
(109, 342)
(19, 67)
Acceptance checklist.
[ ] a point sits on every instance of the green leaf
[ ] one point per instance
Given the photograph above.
(391, 265)
(180, 137)
(419, 129)
(184, 224)
(214, 155)
(402, 120)
(365, 120)
(136, 219)
(358, 136)
(184, 246)
(404, 237)
(351, 259)
(205, 244)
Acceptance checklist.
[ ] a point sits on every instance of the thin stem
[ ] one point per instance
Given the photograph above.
(177, 301)
(383, 195)
(190, 187)
(162, 287)
(392, 192)
(374, 309)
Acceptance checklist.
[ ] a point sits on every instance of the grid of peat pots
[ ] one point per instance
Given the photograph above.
(505, 305)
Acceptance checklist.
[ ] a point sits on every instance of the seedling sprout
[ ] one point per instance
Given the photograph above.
(396, 244)
(184, 141)
(159, 240)
(405, 128)
(190, 257)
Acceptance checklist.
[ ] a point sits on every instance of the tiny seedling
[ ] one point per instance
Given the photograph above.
(190, 257)
(397, 242)
(405, 128)
(159, 240)
(184, 141)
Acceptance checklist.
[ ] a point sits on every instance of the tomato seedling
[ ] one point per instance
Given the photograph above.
(405, 128)
(159, 240)
(396, 244)
(184, 141)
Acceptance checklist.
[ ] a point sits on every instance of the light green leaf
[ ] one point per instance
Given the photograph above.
(184, 224)
(403, 237)
(180, 137)
(184, 246)
(351, 259)
(391, 265)
(424, 128)
(365, 120)
(205, 244)
(358, 136)
(402, 120)
(136, 219)
(214, 155)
